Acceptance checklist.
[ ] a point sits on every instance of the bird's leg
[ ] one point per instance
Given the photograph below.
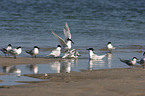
(14, 57)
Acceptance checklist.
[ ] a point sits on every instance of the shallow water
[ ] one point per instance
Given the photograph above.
(9, 80)
(92, 23)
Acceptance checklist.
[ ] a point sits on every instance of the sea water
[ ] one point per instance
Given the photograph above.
(93, 23)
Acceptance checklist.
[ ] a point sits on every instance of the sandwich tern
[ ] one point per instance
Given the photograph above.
(56, 52)
(95, 56)
(142, 61)
(66, 43)
(131, 62)
(15, 52)
(110, 46)
(34, 51)
(6, 50)
(71, 54)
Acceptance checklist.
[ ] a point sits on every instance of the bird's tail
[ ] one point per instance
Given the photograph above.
(27, 51)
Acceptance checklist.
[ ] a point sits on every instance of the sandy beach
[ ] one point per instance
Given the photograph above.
(102, 82)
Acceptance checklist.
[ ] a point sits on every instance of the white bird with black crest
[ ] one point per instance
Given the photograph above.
(94, 56)
(15, 52)
(34, 51)
(66, 43)
(142, 61)
(56, 52)
(110, 47)
(71, 54)
(6, 50)
(131, 62)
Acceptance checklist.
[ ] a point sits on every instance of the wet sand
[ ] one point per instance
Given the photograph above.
(104, 82)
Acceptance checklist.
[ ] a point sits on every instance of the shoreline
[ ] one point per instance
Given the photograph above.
(99, 82)
(102, 82)
(8, 61)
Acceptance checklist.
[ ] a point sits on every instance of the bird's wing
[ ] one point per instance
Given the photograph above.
(141, 61)
(99, 57)
(13, 51)
(54, 52)
(61, 41)
(125, 61)
(30, 51)
(67, 32)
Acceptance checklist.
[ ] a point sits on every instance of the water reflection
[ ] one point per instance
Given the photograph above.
(33, 68)
(96, 64)
(109, 60)
(12, 69)
(63, 66)
(56, 66)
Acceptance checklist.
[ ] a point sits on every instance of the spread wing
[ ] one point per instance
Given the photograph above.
(61, 41)
(67, 32)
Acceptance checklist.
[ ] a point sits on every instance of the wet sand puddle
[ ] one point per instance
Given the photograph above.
(15, 73)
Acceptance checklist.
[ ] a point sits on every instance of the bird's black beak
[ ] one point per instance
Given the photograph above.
(72, 41)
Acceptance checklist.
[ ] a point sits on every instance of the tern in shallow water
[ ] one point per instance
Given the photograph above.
(142, 61)
(56, 52)
(131, 62)
(71, 54)
(6, 50)
(34, 51)
(15, 52)
(110, 46)
(95, 56)
(66, 43)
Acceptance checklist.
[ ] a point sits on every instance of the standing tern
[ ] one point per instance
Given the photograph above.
(95, 56)
(131, 62)
(142, 61)
(110, 46)
(16, 51)
(34, 51)
(66, 43)
(6, 50)
(56, 52)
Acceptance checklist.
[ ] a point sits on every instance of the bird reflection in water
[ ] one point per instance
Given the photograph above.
(67, 64)
(96, 64)
(33, 68)
(56, 66)
(109, 59)
(12, 69)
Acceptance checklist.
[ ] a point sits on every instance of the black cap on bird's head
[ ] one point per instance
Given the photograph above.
(70, 40)
(9, 45)
(19, 47)
(58, 46)
(109, 42)
(143, 53)
(36, 47)
(90, 49)
(134, 58)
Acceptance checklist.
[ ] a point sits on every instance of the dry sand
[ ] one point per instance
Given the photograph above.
(106, 82)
